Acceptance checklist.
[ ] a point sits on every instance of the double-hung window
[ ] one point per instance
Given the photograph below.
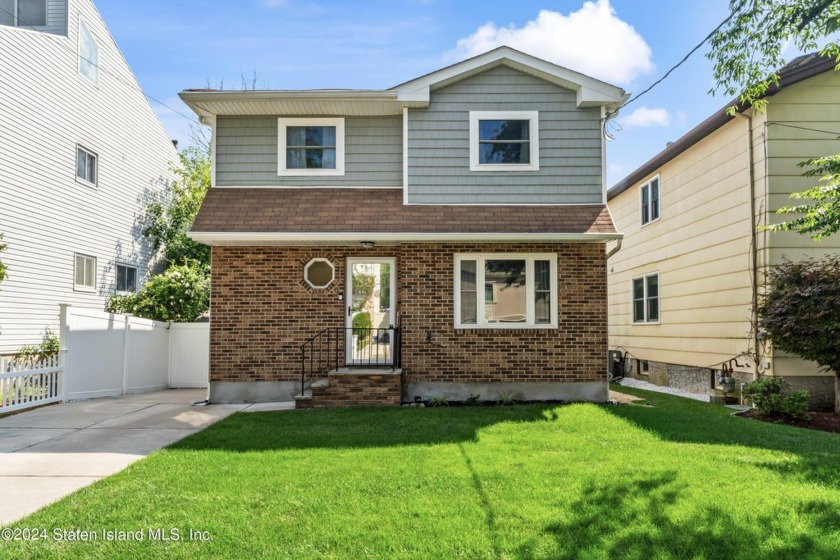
(126, 278)
(646, 299)
(650, 201)
(504, 141)
(85, 273)
(502, 290)
(311, 146)
(86, 165)
(23, 13)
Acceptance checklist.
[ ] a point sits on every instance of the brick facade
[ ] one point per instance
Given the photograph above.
(262, 312)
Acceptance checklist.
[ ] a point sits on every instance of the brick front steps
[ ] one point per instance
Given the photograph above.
(348, 387)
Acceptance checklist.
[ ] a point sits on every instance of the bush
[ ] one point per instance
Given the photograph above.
(35, 353)
(181, 294)
(772, 395)
(795, 405)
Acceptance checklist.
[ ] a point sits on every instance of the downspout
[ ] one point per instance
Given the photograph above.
(753, 242)
(615, 249)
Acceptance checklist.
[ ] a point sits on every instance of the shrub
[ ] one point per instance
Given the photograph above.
(35, 353)
(438, 400)
(362, 325)
(181, 294)
(772, 395)
(795, 405)
(473, 400)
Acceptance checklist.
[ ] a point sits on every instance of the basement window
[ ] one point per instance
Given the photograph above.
(505, 291)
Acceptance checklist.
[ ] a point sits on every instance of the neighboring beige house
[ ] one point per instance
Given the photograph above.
(682, 287)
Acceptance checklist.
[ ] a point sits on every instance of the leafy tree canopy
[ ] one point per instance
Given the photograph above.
(170, 214)
(747, 51)
(2, 264)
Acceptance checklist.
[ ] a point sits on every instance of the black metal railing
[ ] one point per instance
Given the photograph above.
(339, 347)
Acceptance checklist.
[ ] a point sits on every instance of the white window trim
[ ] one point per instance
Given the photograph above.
(533, 138)
(76, 162)
(17, 24)
(306, 269)
(82, 287)
(136, 277)
(283, 123)
(643, 278)
(530, 305)
(642, 201)
(79, 54)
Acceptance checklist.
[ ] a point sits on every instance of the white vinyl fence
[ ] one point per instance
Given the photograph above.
(24, 384)
(105, 355)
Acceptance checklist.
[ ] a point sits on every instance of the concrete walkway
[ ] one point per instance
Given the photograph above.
(50, 452)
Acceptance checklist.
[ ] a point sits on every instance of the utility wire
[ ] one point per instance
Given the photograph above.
(105, 70)
(805, 128)
(686, 57)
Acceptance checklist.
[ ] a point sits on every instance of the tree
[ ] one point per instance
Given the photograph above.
(819, 216)
(170, 214)
(747, 54)
(747, 50)
(181, 294)
(801, 312)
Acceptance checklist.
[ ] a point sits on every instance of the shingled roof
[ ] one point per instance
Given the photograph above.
(231, 216)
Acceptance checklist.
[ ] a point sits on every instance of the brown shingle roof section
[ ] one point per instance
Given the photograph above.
(382, 211)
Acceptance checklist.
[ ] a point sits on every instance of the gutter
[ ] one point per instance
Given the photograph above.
(615, 249)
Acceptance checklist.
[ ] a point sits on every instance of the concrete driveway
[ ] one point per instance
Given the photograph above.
(50, 452)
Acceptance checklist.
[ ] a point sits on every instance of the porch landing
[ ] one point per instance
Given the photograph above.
(346, 387)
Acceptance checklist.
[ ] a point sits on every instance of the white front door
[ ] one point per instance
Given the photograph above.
(371, 315)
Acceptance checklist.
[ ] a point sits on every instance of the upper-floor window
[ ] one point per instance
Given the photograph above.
(85, 274)
(23, 13)
(501, 290)
(86, 165)
(504, 141)
(311, 146)
(88, 54)
(650, 201)
(646, 299)
(126, 278)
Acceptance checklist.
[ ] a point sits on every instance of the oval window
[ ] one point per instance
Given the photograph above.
(319, 273)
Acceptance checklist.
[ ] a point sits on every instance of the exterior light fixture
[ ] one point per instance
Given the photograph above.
(368, 244)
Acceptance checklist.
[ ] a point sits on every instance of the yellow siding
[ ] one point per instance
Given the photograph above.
(701, 245)
(814, 104)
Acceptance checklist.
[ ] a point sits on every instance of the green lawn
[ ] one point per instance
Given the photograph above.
(678, 479)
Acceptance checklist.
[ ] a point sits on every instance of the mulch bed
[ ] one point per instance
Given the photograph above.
(823, 421)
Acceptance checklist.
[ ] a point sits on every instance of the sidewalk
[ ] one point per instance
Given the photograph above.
(50, 452)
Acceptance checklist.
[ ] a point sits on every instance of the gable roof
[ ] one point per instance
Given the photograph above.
(799, 69)
(590, 92)
(415, 93)
(304, 216)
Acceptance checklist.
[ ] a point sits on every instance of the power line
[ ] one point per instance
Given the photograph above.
(686, 57)
(833, 133)
(105, 70)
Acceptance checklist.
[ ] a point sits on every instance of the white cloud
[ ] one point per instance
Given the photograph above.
(592, 40)
(643, 117)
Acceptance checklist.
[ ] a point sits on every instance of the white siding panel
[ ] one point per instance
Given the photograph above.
(46, 109)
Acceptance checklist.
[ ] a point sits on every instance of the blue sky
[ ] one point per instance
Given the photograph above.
(301, 44)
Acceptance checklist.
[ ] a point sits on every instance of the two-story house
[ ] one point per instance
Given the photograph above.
(81, 149)
(461, 214)
(683, 287)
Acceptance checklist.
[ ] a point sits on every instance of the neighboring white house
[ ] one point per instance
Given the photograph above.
(80, 150)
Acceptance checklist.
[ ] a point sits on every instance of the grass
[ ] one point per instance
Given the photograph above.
(678, 479)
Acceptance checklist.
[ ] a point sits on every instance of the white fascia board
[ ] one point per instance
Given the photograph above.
(591, 92)
(260, 238)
